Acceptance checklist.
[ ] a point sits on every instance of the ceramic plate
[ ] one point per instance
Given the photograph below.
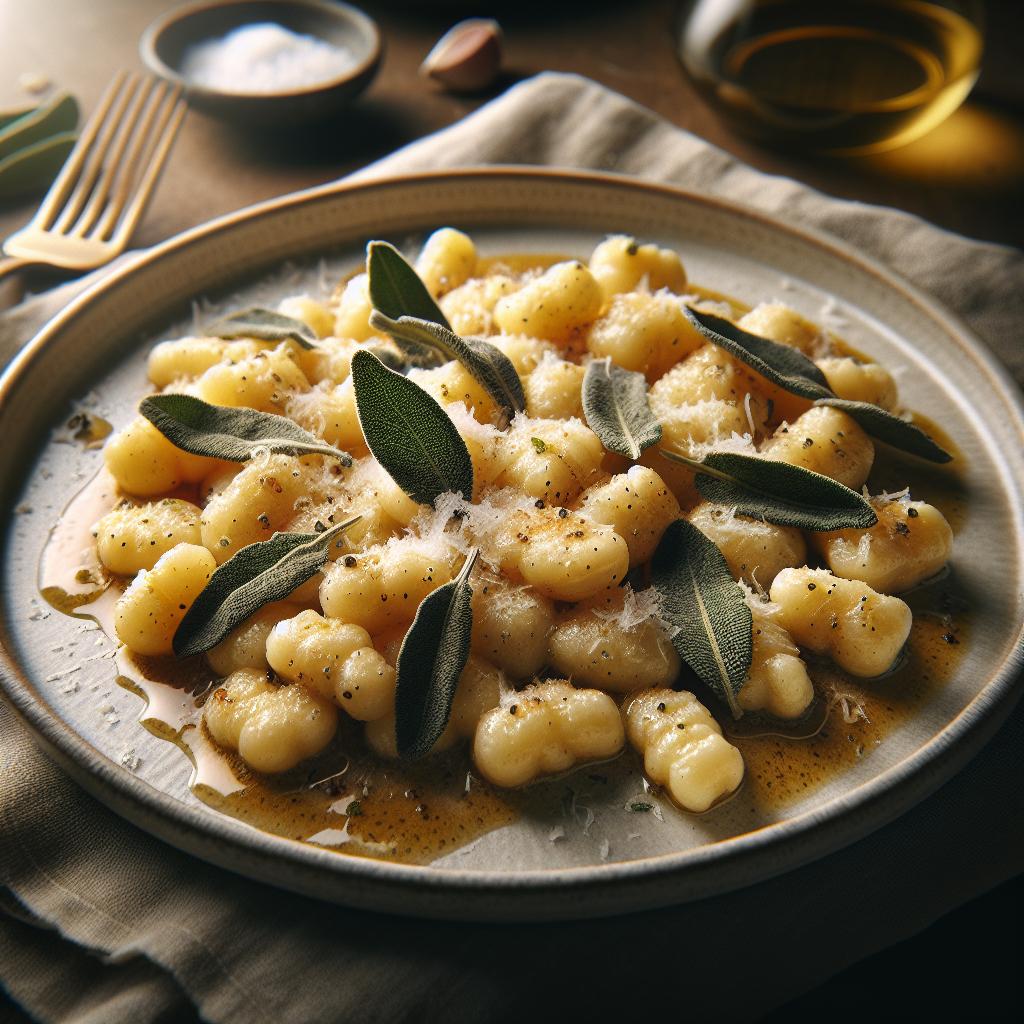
(592, 842)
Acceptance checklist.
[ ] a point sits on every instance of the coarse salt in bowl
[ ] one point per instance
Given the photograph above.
(266, 62)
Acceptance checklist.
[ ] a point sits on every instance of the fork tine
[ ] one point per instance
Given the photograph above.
(145, 145)
(64, 182)
(94, 160)
(166, 134)
(113, 160)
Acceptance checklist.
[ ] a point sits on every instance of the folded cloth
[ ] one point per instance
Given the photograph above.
(101, 922)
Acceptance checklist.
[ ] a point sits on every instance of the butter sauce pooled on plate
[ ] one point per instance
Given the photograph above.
(565, 625)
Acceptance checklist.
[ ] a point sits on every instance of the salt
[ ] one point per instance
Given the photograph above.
(264, 58)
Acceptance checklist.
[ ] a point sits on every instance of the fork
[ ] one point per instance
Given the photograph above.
(94, 205)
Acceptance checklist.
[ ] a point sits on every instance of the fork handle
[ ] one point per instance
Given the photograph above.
(12, 264)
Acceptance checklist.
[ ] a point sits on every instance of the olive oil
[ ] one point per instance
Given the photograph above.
(854, 76)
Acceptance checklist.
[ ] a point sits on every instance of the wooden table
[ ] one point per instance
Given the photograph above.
(963, 175)
(966, 175)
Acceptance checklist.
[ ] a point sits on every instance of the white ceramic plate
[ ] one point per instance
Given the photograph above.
(620, 860)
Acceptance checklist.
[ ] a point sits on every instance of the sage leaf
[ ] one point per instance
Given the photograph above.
(432, 657)
(783, 365)
(409, 434)
(884, 426)
(616, 407)
(259, 573)
(263, 325)
(488, 365)
(396, 290)
(715, 634)
(778, 492)
(219, 432)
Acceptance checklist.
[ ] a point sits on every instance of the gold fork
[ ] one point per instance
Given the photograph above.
(101, 192)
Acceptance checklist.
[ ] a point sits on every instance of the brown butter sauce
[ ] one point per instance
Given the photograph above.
(347, 800)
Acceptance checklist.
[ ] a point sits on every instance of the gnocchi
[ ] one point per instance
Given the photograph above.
(545, 729)
(683, 748)
(569, 656)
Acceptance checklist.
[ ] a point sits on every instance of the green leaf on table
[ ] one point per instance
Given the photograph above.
(616, 407)
(234, 434)
(708, 608)
(783, 365)
(409, 433)
(396, 290)
(884, 426)
(263, 325)
(433, 655)
(258, 574)
(778, 492)
(488, 365)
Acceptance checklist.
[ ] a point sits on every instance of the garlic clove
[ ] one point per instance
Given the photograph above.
(467, 57)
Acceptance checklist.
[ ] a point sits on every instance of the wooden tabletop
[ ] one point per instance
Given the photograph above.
(965, 175)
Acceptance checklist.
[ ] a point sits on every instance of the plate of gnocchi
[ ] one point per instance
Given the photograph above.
(467, 544)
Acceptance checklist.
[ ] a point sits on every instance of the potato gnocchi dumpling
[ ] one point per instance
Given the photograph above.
(861, 630)
(147, 614)
(545, 729)
(909, 544)
(621, 264)
(273, 728)
(569, 650)
(133, 537)
(683, 748)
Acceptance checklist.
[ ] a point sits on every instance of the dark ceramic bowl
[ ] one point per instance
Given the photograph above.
(164, 43)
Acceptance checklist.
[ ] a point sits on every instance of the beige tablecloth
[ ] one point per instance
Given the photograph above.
(101, 923)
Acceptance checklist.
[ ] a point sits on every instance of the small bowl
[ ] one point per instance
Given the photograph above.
(164, 43)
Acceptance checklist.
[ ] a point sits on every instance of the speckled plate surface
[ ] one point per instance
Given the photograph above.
(576, 849)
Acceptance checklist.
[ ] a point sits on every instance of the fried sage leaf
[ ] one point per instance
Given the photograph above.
(884, 426)
(219, 432)
(396, 290)
(259, 573)
(715, 633)
(778, 492)
(488, 365)
(616, 407)
(783, 365)
(433, 655)
(409, 434)
(263, 325)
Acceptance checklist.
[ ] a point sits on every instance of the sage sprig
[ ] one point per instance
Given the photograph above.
(219, 432)
(884, 426)
(778, 492)
(616, 407)
(432, 657)
(487, 364)
(259, 573)
(715, 632)
(396, 290)
(792, 371)
(263, 325)
(409, 433)
(783, 365)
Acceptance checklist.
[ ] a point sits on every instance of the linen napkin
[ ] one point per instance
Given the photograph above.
(99, 922)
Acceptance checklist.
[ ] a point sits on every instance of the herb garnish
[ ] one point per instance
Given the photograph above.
(715, 633)
(234, 434)
(778, 492)
(616, 407)
(433, 655)
(257, 574)
(792, 371)
(486, 363)
(263, 325)
(409, 433)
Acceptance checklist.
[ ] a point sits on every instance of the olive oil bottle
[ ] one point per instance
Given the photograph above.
(843, 76)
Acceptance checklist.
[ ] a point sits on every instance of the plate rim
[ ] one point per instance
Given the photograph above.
(624, 885)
